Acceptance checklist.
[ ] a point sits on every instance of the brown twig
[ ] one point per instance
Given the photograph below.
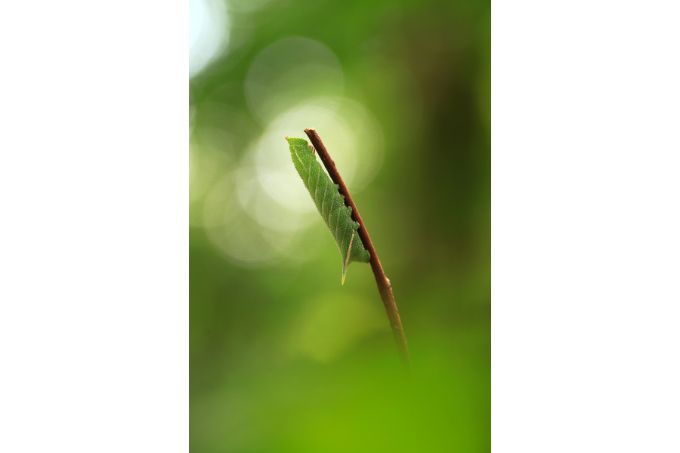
(384, 285)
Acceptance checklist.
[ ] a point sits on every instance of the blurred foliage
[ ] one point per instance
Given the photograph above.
(283, 358)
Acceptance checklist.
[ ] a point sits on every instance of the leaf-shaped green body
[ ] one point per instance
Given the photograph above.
(330, 203)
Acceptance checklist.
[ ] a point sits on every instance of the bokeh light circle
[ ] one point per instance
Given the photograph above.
(208, 32)
(291, 70)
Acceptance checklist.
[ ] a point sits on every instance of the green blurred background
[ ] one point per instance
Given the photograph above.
(282, 357)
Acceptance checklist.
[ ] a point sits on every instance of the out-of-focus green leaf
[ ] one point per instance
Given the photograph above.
(330, 203)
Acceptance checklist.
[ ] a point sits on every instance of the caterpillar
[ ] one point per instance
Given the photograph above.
(330, 204)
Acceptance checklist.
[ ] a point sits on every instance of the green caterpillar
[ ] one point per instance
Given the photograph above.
(330, 203)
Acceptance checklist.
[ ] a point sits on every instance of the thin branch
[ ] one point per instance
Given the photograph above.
(384, 285)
